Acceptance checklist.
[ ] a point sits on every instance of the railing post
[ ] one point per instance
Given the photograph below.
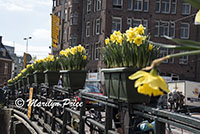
(65, 119)
(82, 121)
(108, 124)
(159, 127)
(53, 113)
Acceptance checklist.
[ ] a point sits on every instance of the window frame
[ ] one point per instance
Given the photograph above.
(138, 21)
(96, 28)
(147, 6)
(130, 4)
(182, 59)
(159, 3)
(117, 5)
(131, 22)
(165, 50)
(166, 12)
(100, 5)
(119, 18)
(141, 5)
(89, 4)
(188, 31)
(87, 33)
(97, 50)
(186, 4)
(164, 28)
(158, 26)
(174, 32)
(173, 3)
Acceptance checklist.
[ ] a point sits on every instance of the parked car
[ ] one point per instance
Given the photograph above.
(93, 90)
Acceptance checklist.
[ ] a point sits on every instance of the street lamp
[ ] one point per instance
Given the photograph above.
(27, 43)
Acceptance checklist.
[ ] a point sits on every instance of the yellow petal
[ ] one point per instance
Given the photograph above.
(137, 75)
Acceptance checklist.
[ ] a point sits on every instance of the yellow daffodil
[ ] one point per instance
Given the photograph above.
(149, 83)
(80, 48)
(197, 18)
(138, 40)
(84, 57)
(140, 29)
(119, 40)
(131, 34)
(107, 41)
(73, 50)
(150, 47)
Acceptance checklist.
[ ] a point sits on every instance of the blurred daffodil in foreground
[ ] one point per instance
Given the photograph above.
(197, 18)
(149, 83)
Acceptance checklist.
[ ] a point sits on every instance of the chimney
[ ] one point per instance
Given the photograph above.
(0, 39)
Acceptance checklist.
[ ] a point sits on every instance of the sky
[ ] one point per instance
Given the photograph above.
(20, 19)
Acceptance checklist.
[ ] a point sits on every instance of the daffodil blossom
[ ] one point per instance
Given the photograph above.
(149, 83)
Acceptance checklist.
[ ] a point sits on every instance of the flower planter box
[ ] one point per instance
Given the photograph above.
(24, 81)
(73, 80)
(119, 87)
(38, 77)
(30, 79)
(51, 77)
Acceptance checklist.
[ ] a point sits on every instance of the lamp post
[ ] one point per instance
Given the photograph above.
(27, 43)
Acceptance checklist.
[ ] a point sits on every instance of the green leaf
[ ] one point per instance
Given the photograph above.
(180, 47)
(187, 43)
(195, 3)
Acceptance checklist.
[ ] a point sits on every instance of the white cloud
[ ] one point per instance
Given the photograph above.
(41, 33)
(16, 5)
(23, 5)
(38, 51)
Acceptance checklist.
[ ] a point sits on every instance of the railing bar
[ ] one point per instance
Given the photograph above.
(71, 130)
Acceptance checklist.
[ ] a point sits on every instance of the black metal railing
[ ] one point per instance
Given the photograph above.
(59, 119)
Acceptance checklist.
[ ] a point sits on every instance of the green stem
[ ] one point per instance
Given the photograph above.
(185, 53)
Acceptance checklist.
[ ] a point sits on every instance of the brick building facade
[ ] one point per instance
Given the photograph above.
(89, 22)
(5, 64)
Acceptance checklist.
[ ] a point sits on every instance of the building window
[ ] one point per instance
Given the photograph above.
(136, 22)
(172, 29)
(164, 28)
(98, 5)
(130, 4)
(117, 3)
(163, 53)
(6, 68)
(138, 5)
(89, 2)
(74, 41)
(165, 6)
(73, 18)
(186, 8)
(129, 23)
(185, 29)
(87, 49)
(157, 6)
(87, 29)
(54, 3)
(146, 5)
(171, 51)
(145, 24)
(116, 24)
(97, 51)
(157, 29)
(183, 59)
(98, 26)
(173, 7)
